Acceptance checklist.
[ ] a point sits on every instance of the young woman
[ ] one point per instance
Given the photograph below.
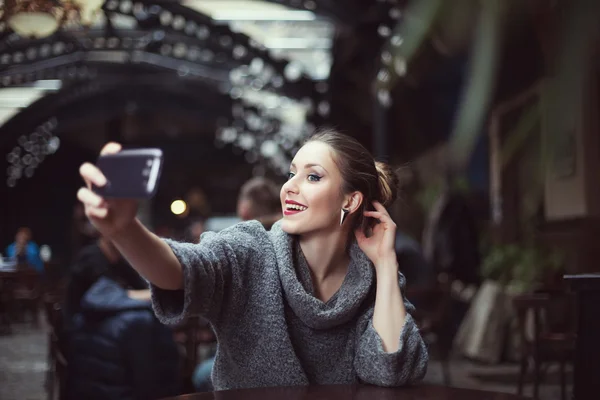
(318, 299)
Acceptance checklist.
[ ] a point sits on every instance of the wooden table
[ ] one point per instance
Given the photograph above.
(351, 392)
(586, 371)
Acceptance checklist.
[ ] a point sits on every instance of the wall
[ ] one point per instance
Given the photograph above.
(573, 169)
(592, 146)
(573, 202)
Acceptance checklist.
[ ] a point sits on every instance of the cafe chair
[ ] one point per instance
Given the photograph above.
(546, 336)
(5, 303)
(190, 335)
(57, 361)
(27, 291)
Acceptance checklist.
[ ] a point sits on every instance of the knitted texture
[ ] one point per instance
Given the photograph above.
(254, 287)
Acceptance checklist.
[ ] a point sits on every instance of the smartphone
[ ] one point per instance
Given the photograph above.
(130, 173)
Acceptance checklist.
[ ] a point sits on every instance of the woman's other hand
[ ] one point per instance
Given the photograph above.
(380, 245)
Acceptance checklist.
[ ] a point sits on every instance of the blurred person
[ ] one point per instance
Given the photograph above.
(318, 299)
(25, 251)
(451, 245)
(117, 349)
(258, 200)
(97, 260)
(418, 271)
(107, 309)
(195, 229)
(451, 237)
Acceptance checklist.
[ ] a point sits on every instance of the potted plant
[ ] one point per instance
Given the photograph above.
(521, 269)
(507, 270)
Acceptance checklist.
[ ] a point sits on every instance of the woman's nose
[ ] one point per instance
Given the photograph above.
(290, 186)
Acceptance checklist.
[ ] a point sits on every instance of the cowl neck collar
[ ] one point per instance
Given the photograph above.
(298, 288)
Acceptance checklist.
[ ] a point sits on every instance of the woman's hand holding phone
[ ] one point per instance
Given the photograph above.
(109, 216)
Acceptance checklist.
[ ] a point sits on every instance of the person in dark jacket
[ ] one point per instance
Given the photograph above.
(451, 245)
(118, 350)
(100, 259)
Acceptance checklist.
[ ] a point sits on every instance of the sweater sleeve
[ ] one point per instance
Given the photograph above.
(212, 274)
(405, 366)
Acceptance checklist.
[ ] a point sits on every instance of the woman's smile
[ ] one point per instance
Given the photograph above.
(293, 207)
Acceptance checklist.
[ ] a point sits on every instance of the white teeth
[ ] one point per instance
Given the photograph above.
(295, 207)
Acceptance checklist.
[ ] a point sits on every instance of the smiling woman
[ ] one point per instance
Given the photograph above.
(336, 170)
(311, 197)
(318, 299)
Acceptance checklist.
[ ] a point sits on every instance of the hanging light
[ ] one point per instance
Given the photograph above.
(33, 24)
(89, 10)
(32, 18)
(41, 18)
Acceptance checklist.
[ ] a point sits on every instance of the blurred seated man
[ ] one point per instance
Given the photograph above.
(101, 259)
(259, 200)
(117, 348)
(25, 251)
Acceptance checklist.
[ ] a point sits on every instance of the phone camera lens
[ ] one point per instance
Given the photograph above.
(149, 163)
(146, 172)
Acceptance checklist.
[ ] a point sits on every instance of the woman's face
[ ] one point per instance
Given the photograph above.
(312, 198)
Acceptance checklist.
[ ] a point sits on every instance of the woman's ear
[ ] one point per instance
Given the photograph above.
(353, 201)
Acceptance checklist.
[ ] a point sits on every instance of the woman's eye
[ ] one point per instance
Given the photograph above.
(314, 178)
(290, 175)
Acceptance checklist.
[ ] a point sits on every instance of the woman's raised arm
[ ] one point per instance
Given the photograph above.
(186, 279)
(115, 219)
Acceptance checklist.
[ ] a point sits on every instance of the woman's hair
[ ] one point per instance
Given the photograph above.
(263, 196)
(360, 172)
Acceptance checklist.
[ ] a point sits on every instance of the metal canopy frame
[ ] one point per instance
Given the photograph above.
(165, 31)
(164, 37)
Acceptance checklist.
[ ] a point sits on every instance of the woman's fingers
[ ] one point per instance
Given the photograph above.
(373, 214)
(89, 198)
(92, 175)
(383, 218)
(379, 207)
(95, 206)
(378, 215)
(96, 212)
(110, 148)
(381, 214)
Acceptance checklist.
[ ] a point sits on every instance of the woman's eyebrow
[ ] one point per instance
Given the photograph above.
(310, 166)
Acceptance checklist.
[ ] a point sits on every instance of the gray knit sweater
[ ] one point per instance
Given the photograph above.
(254, 287)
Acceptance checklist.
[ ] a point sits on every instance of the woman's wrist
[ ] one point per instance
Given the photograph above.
(387, 269)
(126, 232)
